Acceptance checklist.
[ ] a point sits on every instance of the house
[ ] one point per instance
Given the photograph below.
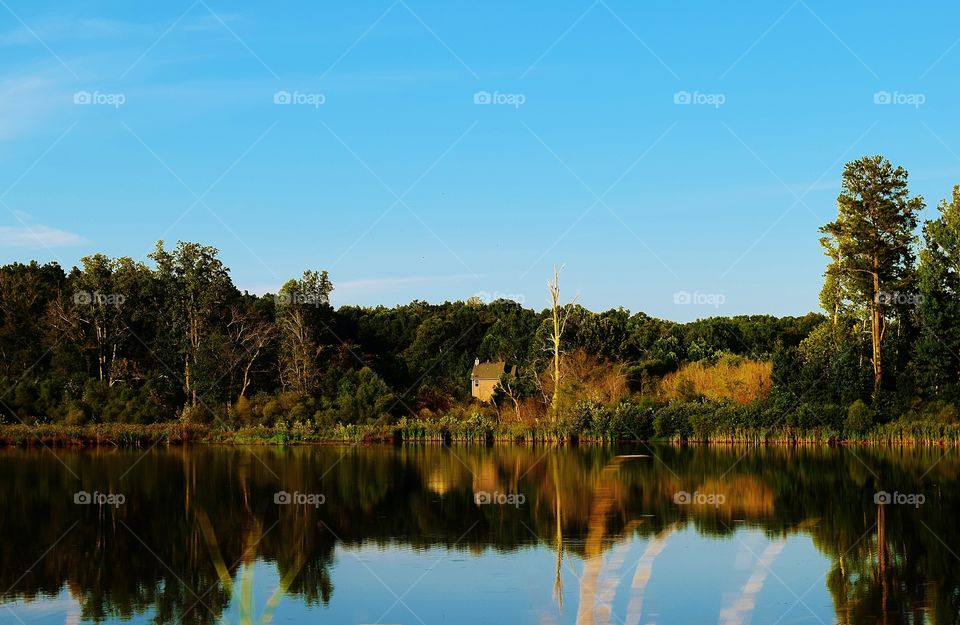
(485, 378)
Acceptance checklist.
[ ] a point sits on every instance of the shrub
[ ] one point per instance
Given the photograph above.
(634, 420)
(673, 420)
(860, 417)
(75, 415)
(732, 378)
(942, 412)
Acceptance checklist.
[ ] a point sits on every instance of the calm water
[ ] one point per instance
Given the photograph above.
(474, 535)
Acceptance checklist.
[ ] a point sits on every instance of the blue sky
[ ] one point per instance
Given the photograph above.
(435, 150)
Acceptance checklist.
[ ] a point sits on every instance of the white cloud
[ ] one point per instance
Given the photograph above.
(38, 236)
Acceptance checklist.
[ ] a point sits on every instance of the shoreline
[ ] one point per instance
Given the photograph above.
(175, 434)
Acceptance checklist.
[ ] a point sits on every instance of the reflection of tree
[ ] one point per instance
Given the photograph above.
(604, 497)
(558, 522)
(642, 575)
(738, 612)
(195, 521)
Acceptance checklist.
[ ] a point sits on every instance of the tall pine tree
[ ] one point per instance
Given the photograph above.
(871, 247)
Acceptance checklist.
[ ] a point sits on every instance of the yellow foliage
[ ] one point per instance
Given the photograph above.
(585, 377)
(732, 379)
(243, 410)
(744, 496)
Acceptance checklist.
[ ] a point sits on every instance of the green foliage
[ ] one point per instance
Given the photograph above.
(364, 397)
(115, 341)
(860, 417)
(939, 305)
(182, 343)
(871, 274)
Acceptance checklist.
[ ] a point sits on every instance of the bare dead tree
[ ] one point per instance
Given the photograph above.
(298, 371)
(510, 392)
(252, 335)
(559, 314)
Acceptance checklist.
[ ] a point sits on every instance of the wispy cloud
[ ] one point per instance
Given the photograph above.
(38, 236)
(209, 21)
(59, 28)
(24, 101)
(375, 284)
(66, 28)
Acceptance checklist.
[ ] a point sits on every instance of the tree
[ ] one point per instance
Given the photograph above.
(298, 304)
(198, 288)
(510, 329)
(25, 291)
(516, 386)
(832, 297)
(251, 335)
(939, 304)
(363, 397)
(870, 245)
(105, 294)
(559, 316)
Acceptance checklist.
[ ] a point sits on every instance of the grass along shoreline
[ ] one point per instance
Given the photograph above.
(922, 433)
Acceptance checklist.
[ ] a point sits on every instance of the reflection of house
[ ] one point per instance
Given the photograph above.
(486, 378)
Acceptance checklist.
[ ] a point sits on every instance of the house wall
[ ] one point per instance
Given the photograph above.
(484, 389)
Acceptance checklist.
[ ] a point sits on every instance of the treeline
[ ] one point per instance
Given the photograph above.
(116, 340)
(122, 341)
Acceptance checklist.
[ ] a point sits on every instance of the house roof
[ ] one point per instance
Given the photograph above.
(491, 370)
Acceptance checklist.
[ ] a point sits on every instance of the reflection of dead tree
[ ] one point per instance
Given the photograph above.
(739, 611)
(245, 598)
(558, 581)
(610, 576)
(883, 557)
(604, 496)
(253, 535)
(554, 471)
(643, 574)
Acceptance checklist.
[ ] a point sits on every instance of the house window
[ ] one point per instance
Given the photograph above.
(476, 383)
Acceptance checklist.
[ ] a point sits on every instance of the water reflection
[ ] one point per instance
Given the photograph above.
(609, 535)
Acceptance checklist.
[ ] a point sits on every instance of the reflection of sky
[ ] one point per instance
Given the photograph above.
(43, 611)
(693, 579)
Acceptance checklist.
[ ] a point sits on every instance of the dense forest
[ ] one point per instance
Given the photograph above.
(117, 340)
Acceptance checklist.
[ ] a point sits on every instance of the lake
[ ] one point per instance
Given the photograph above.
(480, 535)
